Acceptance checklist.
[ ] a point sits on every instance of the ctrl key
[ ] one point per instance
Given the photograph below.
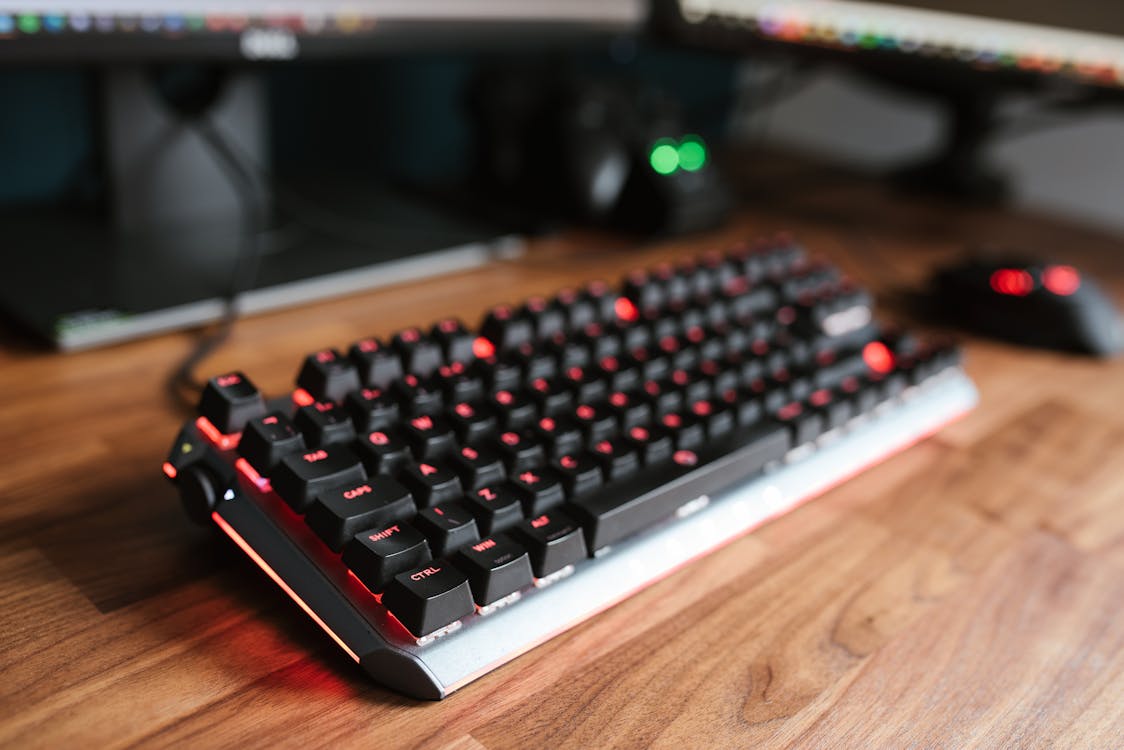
(429, 598)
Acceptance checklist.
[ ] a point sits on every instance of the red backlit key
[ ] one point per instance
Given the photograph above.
(429, 597)
(420, 354)
(430, 437)
(378, 365)
(496, 566)
(337, 514)
(553, 540)
(328, 375)
(324, 423)
(372, 409)
(478, 466)
(230, 401)
(581, 473)
(377, 555)
(618, 458)
(431, 483)
(384, 452)
(267, 439)
(301, 476)
(539, 489)
(496, 507)
(473, 421)
(447, 526)
(519, 451)
(454, 339)
(506, 328)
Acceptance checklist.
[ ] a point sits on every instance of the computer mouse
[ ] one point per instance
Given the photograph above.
(1029, 302)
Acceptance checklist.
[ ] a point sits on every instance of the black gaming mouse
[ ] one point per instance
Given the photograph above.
(1029, 302)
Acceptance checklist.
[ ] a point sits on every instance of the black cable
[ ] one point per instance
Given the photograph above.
(183, 385)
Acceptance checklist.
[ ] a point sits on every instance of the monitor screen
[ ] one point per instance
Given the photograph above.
(1082, 38)
(93, 30)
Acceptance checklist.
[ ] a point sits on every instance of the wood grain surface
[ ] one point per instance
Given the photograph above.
(966, 593)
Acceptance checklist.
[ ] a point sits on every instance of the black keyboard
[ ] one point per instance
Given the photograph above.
(443, 501)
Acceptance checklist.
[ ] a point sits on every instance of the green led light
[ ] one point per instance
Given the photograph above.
(664, 157)
(692, 153)
(28, 23)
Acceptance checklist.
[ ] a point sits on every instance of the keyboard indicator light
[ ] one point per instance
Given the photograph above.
(878, 357)
(170, 470)
(252, 474)
(483, 348)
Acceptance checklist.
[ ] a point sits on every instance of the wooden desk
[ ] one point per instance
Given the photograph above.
(968, 592)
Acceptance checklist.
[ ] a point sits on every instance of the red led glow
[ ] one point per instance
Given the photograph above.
(301, 397)
(169, 470)
(212, 433)
(483, 348)
(626, 310)
(269, 571)
(252, 474)
(1061, 280)
(878, 357)
(1014, 282)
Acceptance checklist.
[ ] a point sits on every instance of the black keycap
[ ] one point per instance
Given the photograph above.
(622, 508)
(230, 401)
(804, 424)
(516, 410)
(646, 293)
(506, 329)
(553, 541)
(420, 355)
(378, 365)
(546, 318)
(553, 396)
(663, 396)
(454, 339)
(559, 436)
(620, 373)
(447, 526)
(371, 409)
(717, 417)
(520, 451)
(580, 473)
(600, 340)
(328, 375)
(504, 374)
(431, 483)
(473, 421)
(377, 555)
(603, 299)
(618, 458)
(686, 429)
(384, 452)
(324, 423)
(416, 396)
(539, 490)
(496, 507)
(567, 352)
(429, 597)
(339, 513)
(430, 437)
(479, 466)
(580, 311)
(267, 439)
(630, 408)
(596, 421)
(654, 442)
(496, 566)
(459, 384)
(586, 384)
(302, 476)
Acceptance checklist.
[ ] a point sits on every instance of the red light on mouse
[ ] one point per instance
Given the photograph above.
(878, 357)
(1061, 280)
(626, 310)
(1013, 282)
(483, 348)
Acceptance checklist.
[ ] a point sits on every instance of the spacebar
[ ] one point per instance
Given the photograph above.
(625, 507)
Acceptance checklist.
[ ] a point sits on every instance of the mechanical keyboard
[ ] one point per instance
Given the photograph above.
(445, 501)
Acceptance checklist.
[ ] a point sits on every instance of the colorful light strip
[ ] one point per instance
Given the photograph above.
(974, 40)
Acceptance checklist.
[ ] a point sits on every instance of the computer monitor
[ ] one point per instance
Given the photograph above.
(965, 54)
(163, 250)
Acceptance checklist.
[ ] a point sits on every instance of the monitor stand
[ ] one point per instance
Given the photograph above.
(163, 255)
(958, 169)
